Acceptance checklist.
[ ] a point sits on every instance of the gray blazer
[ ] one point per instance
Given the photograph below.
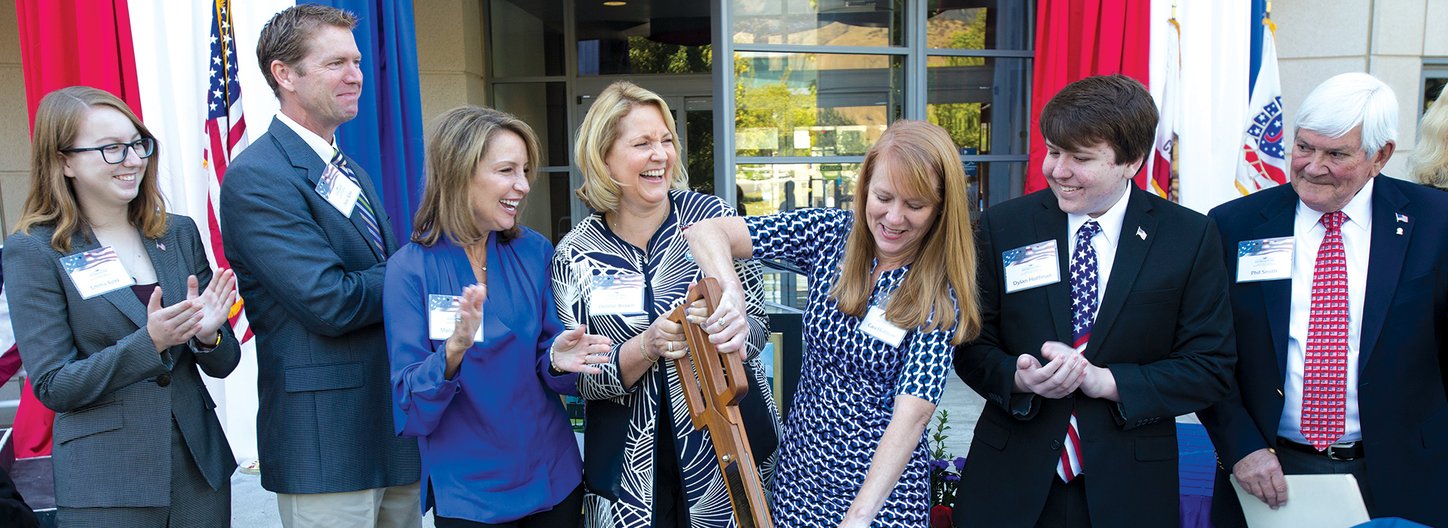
(313, 289)
(93, 363)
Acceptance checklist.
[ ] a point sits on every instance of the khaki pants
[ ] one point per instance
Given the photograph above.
(394, 507)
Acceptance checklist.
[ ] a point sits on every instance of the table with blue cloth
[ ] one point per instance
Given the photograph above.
(1197, 472)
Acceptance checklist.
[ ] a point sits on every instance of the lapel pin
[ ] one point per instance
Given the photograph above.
(162, 246)
(1141, 233)
(1402, 218)
(1400, 231)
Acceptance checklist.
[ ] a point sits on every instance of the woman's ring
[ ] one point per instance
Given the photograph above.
(670, 346)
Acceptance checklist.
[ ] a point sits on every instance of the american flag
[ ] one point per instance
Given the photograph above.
(1026, 254)
(94, 258)
(225, 134)
(1264, 246)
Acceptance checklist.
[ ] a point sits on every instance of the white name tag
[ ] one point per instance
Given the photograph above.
(1264, 259)
(875, 325)
(620, 293)
(96, 272)
(339, 190)
(442, 317)
(1031, 266)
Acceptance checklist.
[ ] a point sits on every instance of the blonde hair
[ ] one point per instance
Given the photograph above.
(1430, 158)
(456, 142)
(927, 166)
(596, 136)
(52, 199)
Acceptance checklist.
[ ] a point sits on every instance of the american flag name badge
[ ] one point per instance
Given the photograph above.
(1141, 233)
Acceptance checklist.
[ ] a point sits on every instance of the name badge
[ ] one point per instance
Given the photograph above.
(620, 293)
(96, 272)
(339, 190)
(442, 317)
(875, 325)
(1264, 259)
(1031, 266)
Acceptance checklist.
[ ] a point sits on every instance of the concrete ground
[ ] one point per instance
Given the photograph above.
(254, 507)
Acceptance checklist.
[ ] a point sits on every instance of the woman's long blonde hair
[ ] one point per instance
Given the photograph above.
(52, 199)
(927, 166)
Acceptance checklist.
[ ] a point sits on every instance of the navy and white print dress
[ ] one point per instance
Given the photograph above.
(622, 423)
(848, 384)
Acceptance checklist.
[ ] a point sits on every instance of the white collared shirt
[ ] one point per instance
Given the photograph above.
(323, 149)
(1307, 235)
(1104, 242)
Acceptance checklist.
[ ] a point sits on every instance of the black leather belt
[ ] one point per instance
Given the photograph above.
(1342, 451)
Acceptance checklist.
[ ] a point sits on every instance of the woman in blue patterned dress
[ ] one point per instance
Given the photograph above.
(620, 271)
(891, 290)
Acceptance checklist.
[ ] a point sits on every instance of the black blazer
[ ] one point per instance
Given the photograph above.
(1403, 410)
(1163, 329)
(313, 288)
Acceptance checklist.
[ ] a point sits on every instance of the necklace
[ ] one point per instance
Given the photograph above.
(478, 257)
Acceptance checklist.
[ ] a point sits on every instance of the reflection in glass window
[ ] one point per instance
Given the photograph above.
(809, 104)
(818, 22)
(643, 37)
(980, 101)
(773, 188)
(978, 24)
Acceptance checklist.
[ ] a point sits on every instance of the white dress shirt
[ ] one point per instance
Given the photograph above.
(323, 149)
(1307, 235)
(1104, 242)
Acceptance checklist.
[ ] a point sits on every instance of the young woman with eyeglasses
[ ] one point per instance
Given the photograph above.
(116, 311)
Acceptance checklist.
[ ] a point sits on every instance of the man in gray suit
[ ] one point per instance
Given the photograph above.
(307, 236)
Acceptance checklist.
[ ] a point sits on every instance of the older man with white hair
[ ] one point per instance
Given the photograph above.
(1340, 300)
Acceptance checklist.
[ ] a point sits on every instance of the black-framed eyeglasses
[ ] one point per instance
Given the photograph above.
(115, 153)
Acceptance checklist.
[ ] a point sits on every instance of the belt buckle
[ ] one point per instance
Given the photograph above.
(1331, 451)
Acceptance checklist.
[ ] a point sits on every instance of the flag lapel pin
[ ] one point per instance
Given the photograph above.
(161, 246)
(1402, 218)
(1141, 233)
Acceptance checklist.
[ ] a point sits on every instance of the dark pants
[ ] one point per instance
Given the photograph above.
(1065, 505)
(568, 513)
(1296, 462)
(671, 503)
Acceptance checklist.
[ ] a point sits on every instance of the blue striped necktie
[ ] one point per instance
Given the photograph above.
(369, 217)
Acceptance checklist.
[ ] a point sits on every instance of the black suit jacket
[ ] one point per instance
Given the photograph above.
(1163, 329)
(1403, 411)
(313, 288)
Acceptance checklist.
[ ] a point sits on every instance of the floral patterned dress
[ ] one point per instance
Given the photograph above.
(848, 384)
(622, 423)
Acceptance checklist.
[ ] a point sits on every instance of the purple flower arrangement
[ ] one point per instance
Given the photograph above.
(945, 474)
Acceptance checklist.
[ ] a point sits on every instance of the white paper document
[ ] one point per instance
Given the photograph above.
(1321, 501)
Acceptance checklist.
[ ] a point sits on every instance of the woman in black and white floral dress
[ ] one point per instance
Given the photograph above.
(621, 271)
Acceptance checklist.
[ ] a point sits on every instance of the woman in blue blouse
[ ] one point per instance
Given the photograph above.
(479, 358)
(891, 291)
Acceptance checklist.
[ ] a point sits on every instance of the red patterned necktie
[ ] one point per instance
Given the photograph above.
(1084, 301)
(1324, 368)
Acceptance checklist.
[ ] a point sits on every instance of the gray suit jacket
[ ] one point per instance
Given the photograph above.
(93, 363)
(313, 289)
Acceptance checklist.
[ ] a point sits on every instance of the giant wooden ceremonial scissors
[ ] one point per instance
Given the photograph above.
(713, 391)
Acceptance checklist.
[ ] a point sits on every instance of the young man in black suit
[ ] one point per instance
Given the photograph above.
(1105, 317)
